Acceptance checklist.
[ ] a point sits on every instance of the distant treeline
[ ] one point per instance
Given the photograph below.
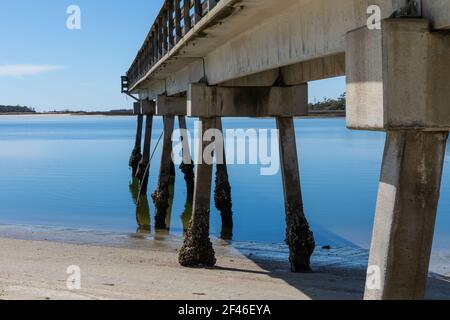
(325, 105)
(120, 112)
(23, 109)
(329, 104)
(16, 109)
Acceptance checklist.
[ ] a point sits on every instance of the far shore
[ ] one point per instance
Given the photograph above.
(312, 114)
(99, 113)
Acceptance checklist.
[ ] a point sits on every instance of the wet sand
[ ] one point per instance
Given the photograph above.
(33, 269)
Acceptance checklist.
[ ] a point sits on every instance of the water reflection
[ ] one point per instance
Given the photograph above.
(227, 231)
(143, 215)
(339, 169)
(171, 198)
(187, 214)
(143, 219)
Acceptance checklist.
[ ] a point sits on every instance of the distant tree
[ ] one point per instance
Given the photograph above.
(16, 109)
(327, 104)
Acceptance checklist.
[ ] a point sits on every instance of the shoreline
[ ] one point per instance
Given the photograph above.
(127, 266)
(100, 113)
(312, 114)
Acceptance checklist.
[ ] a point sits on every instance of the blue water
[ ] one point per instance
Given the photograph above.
(72, 171)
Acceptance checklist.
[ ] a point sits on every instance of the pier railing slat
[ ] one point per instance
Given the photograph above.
(175, 19)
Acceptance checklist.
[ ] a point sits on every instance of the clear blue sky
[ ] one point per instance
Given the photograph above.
(47, 66)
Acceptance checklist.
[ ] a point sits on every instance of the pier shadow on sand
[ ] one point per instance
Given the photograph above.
(337, 272)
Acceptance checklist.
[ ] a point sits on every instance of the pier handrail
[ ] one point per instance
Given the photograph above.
(174, 21)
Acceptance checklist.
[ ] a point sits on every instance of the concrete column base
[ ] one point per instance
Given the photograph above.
(405, 215)
(197, 249)
(161, 198)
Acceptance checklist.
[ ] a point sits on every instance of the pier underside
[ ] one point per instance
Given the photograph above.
(254, 58)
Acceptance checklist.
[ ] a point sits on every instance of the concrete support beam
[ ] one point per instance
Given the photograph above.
(143, 171)
(171, 106)
(207, 101)
(197, 249)
(151, 89)
(178, 81)
(298, 234)
(136, 155)
(187, 167)
(162, 194)
(148, 107)
(222, 192)
(397, 77)
(144, 107)
(405, 215)
(139, 162)
(316, 69)
(260, 79)
(137, 108)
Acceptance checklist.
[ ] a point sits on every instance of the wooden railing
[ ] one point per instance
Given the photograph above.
(173, 22)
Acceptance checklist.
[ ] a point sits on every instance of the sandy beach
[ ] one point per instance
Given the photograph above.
(37, 270)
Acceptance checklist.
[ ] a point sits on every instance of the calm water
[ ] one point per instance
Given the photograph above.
(73, 172)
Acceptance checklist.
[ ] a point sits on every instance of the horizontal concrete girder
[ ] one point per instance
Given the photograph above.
(397, 77)
(137, 108)
(146, 107)
(170, 106)
(207, 101)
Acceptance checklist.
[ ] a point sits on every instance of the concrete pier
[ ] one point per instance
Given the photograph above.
(148, 110)
(396, 83)
(406, 214)
(254, 59)
(144, 165)
(279, 102)
(161, 194)
(298, 234)
(187, 166)
(222, 192)
(136, 154)
(197, 249)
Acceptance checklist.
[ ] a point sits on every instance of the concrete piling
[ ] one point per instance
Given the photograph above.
(136, 155)
(299, 237)
(197, 249)
(222, 193)
(144, 165)
(187, 166)
(161, 195)
(405, 215)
